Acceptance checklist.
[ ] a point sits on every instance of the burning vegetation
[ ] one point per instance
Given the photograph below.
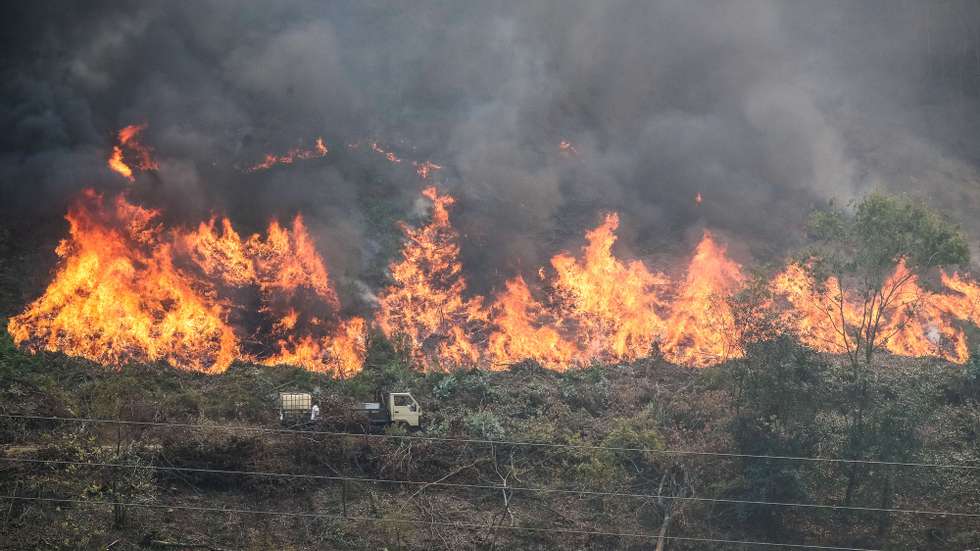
(916, 321)
(425, 169)
(129, 289)
(318, 150)
(130, 152)
(425, 304)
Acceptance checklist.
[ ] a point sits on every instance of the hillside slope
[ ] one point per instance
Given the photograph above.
(612, 427)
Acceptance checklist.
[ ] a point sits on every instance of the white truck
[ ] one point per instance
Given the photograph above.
(393, 408)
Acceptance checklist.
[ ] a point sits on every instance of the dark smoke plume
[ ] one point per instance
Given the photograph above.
(766, 108)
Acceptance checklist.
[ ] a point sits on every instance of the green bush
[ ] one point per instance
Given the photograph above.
(633, 434)
(623, 457)
(586, 389)
(483, 424)
(971, 370)
(473, 387)
(445, 386)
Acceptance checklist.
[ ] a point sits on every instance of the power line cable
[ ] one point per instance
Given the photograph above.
(496, 442)
(493, 487)
(567, 531)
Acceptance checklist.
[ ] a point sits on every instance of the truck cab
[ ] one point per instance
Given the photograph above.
(393, 408)
(404, 409)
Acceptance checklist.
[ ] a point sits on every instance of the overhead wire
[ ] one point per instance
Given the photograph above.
(457, 525)
(493, 487)
(409, 437)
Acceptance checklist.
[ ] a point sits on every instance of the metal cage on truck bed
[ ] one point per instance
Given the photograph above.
(294, 406)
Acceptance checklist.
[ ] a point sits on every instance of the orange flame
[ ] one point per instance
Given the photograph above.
(425, 168)
(127, 290)
(819, 313)
(916, 322)
(129, 139)
(917, 325)
(388, 154)
(297, 154)
(341, 353)
(425, 303)
(117, 164)
(611, 310)
(701, 329)
(611, 305)
(289, 273)
(522, 331)
(964, 303)
(118, 297)
(287, 260)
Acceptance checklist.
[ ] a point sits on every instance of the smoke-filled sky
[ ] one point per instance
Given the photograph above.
(766, 108)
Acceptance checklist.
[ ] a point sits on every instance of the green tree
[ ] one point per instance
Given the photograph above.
(778, 388)
(900, 408)
(860, 247)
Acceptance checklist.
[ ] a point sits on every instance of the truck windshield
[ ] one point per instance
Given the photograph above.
(402, 400)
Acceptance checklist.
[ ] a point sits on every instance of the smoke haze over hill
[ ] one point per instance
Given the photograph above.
(765, 108)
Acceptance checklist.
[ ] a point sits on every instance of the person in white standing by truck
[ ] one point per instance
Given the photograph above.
(314, 412)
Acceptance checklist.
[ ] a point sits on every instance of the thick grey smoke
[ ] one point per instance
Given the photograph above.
(766, 108)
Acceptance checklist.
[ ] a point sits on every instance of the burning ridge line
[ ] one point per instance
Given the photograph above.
(424, 169)
(127, 289)
(318, 150)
